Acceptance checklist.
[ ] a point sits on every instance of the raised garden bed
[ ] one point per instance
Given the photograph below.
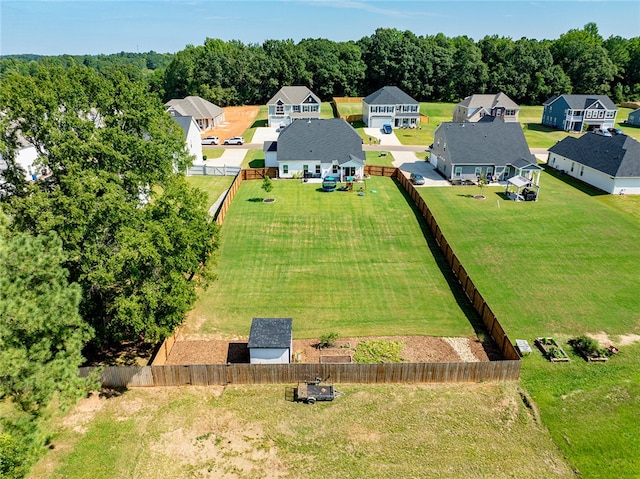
(552, 350)
(590, 350)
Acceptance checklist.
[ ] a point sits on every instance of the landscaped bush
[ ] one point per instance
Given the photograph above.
(378, 351)
(590, 346)
(328, 340)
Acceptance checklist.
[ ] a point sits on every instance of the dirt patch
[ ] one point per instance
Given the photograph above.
(237, 119)
(623, 340)
(416, 349)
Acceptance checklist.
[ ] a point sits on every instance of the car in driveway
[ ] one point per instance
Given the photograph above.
(210, 140)
(602, 132)
(234, 140)
(386, 128)
(416, 179)
(615, 131)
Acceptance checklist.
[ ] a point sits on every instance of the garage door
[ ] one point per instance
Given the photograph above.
(378, 121)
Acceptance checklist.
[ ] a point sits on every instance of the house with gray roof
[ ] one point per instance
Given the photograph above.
(610, 163)
(390, 105)
(475, 107)
(292, 103)
(579, 112)
(270, 341)
(315, 149)
(634, 118)
(499, 150)
(206, 114)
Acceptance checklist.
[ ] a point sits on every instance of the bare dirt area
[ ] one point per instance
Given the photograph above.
(236, 120)
(416, 349)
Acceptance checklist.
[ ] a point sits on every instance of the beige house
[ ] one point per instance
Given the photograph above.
(206, 114)
(475, 107)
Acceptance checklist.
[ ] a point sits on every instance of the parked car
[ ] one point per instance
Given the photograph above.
(210, 140)
(616, 131)
(234, 140)
(416, 179)
(386, 128)
(602, 132)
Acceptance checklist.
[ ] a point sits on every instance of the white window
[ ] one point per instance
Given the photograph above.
(458, 171)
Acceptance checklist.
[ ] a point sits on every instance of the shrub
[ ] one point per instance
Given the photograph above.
(590, 346)
(328, 340)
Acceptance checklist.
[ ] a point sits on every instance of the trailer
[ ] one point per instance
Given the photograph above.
(312, 391)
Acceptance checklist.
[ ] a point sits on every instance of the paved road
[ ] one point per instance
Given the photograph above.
(404, 156)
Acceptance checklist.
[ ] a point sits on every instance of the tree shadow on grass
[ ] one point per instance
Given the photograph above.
(491, 348)
(539, 127)
(260, 124)
(257, 163)
(255, 200)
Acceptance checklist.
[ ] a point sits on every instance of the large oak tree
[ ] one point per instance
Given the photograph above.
(137, 237)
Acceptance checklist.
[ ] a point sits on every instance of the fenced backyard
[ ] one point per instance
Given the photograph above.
(174, 375)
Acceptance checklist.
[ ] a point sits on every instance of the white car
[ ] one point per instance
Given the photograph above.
(210, 140)
(234, 140)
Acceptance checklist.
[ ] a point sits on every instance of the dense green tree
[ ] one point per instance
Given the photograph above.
(41, 339)
(138, 238)
(584, 59)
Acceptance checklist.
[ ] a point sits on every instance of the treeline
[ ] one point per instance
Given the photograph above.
(429, 68)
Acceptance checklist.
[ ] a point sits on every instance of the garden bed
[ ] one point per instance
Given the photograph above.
(589, 349)
(552, 350)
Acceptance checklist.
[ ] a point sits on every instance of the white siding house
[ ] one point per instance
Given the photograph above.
(611, 164)
(192, 139)
(390, 105)
(292, 103)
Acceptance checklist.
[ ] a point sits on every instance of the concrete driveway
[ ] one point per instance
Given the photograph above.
(232, 156)
(409, 163)
(385, 139)
(263, 134)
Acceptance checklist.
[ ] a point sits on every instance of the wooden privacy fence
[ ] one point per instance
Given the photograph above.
(224, 374)
(479, 304)
(162, 375)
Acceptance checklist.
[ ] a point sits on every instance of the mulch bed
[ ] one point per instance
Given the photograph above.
(416, 349)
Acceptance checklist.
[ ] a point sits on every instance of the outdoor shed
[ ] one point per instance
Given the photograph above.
(270, 341)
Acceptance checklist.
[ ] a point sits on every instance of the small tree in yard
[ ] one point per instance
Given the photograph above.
(482, 182)
(267, 185)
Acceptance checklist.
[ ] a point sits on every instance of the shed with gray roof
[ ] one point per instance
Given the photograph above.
(271, 341)
(611, 164)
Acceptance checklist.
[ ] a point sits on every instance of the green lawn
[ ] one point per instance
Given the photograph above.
(253, 159)
(212, 153)
(349, 108)
(562, 266)
(332, 262)
(379, 158)
(259, 121)
(213, 186)
(326, 110)
(381, 431)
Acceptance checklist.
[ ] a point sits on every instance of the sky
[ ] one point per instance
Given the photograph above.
(55, 27)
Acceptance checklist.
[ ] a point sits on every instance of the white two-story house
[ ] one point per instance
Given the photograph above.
(390, 105)
(293, 103)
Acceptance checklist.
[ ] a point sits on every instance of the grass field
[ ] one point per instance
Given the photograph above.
(332, 262)
(390, 431)
(213, 186)
(563, 266)
(379, 158)
(349, 108)
(259, 121)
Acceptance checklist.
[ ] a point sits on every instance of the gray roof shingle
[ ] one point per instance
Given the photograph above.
(195, 106)
(493, 142)
(618, 156)
(270, 333)
(323, 140)
(389, 95)
(489, 101)
(580, 102)
(292, 95)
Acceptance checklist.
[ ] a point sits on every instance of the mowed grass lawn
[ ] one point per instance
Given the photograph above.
(356, 265)
(563, 266)
(383, 431)
(213, 186)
